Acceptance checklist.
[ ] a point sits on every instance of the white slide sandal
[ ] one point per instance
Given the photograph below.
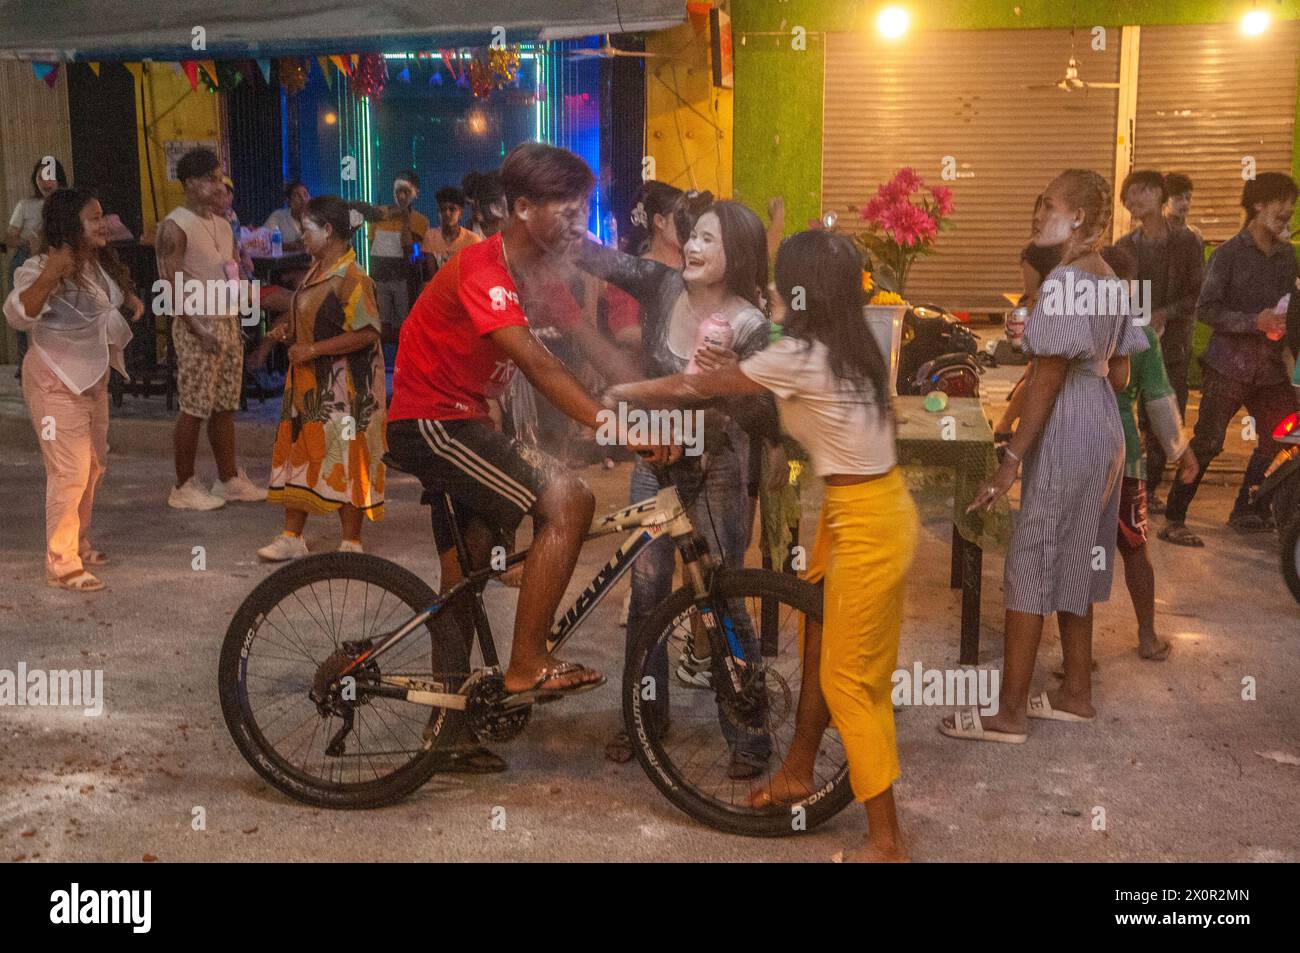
(1040, 707)
(966, 725)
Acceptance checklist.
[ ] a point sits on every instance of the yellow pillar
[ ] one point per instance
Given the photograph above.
(688, 119)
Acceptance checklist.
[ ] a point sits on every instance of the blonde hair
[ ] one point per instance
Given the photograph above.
(1089, 191)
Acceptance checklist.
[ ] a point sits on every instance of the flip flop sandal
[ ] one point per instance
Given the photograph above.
(81, 582)
(745, 766)
(1180, 535)
(1040, 707)
(966, 726)
(94, 558)
(555, 670)
(472, 761)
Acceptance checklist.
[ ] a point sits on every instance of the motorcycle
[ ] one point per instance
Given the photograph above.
(939, 353)
(1281, 491)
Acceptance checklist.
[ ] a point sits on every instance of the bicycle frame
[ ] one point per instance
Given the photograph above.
(650, 519)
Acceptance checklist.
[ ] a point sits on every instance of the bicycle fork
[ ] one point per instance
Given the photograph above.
(698, 566)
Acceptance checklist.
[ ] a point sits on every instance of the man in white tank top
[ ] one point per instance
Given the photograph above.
(196, 248)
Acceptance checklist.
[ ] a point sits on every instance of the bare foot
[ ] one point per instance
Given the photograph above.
(1075, 706)
(782, 788)
(869, 853)
(1153, 650)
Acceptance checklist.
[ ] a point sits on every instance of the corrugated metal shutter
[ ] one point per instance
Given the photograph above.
(962, 93)
(1208, 95)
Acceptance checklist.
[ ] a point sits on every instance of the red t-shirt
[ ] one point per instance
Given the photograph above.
(447, 367)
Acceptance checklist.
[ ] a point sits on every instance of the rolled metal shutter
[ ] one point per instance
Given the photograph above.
(962, 94)
(1209, 95)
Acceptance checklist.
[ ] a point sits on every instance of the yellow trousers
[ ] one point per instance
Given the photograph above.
(866, 539)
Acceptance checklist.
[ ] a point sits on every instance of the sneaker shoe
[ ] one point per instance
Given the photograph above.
(694, 672)
(283, 548)
(351, 546)
(192, 496)
(238, 489)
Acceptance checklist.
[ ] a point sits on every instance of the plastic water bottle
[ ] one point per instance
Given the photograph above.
(714, 331)
(277, 242)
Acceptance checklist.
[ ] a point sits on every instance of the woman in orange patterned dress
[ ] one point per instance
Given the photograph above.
(330, 442)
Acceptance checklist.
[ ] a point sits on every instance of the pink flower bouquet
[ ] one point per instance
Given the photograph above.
(903, 221)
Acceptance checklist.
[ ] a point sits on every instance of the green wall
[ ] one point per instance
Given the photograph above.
(778, 103)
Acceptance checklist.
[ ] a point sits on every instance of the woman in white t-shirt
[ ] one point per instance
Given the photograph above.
(831, 386)
(69, 298)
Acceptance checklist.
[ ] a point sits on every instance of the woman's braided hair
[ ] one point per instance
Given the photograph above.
(1091, 192)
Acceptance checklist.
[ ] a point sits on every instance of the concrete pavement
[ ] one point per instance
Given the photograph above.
(1182, 767)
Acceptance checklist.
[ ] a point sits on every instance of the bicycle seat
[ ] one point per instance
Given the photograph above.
(434, 497)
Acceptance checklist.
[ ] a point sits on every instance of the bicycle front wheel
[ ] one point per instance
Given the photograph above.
(688, 760)
(290, 639)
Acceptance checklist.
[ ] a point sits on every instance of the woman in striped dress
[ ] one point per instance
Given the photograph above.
(1071, 444)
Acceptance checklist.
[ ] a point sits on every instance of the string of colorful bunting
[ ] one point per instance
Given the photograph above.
(480, 71)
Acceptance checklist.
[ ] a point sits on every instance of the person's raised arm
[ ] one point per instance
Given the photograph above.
(775, 224)
(639, 277)
(31, 300)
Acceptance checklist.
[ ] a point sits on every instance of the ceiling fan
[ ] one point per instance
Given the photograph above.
(1071, 81)
(607, 50)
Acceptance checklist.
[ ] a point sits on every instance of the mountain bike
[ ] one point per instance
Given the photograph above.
(344, 679)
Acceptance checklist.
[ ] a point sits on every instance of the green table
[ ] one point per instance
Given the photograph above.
(945, 457)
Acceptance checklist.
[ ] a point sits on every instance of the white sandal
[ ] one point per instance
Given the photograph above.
(1040, 707)
(81, 582)
(966, 725)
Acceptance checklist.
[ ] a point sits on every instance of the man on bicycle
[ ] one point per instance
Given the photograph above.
(458, 349)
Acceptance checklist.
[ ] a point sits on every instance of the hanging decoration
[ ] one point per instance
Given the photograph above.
(265, 66)
(449, 61)
(370, 75)
(504, 64)
(480, 78)
(342, 63)
(94, 67)
(191, 70)
(324, 64)
(208, 73)
(293, 77)
(47, 72)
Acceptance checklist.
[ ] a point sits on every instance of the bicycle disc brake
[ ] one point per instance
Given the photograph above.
(338, 696)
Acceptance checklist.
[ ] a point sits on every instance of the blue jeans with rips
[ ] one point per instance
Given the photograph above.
(719, 513)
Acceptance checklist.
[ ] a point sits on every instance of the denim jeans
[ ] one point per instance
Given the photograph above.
(719, 514)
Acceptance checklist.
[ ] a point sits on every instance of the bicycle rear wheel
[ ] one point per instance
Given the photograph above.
(293, 632)
(689, 761)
